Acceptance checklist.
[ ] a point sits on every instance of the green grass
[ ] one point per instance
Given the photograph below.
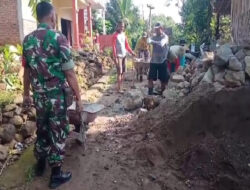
(6, 97)
(30, 174)
(112, 79)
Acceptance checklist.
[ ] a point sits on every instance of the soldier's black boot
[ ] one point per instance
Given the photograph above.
(58, 177)
(40, 167)
(150, 91)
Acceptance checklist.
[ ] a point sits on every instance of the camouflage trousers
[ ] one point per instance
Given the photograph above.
(52, 127)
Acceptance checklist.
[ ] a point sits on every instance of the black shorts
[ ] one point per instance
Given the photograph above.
(158, 71)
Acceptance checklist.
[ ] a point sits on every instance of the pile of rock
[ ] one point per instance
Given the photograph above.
(90, 67)
(227, 67)
(17, 128)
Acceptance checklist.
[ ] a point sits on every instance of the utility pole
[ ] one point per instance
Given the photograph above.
(150, 17)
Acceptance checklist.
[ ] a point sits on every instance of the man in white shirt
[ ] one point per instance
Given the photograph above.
(158, 64)
(120, 49)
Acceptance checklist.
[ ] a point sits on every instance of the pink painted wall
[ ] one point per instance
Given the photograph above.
(105, 41)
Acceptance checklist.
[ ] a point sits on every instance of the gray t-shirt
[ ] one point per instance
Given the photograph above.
(160, 48)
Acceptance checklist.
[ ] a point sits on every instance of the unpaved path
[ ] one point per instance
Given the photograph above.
(107, 164)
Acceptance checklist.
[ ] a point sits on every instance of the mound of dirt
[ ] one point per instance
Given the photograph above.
(204, 137)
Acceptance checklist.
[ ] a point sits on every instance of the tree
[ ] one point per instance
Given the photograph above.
(126, 11)
(169, 23)
(33, 4)
(196, 17)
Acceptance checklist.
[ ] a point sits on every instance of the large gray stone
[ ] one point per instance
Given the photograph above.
(7, 132)
(235, 64)
(133, 100)
(209, 76)
(247, 62)
(4, 150)
(234, 78)
(28, 129)
(222, 55)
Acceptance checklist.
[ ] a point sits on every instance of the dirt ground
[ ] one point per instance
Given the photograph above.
(200, 142)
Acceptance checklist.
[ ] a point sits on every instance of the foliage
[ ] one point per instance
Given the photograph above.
(10, 58)
(168, 22)
(126, 11)
(225, 29)
(196, 17)
(6, 97)
(33, 4)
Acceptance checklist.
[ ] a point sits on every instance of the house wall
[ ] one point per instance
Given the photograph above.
(28, 21)
(9, 25)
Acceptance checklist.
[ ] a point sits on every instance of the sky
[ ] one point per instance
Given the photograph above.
(160, 8)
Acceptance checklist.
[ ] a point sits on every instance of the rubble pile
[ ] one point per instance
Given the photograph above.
(227, 67)
(90, 67)
(17, 129)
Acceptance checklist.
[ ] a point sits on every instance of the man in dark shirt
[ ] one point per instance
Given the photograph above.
(48, 68)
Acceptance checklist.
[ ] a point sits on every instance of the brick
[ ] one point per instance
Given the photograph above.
(9, 26)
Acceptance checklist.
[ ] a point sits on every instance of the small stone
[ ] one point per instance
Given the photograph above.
(9, 107)
(234, 79)
(8, 114)
(17, 120)
(240, 55)
(7, 132)
(236, 48)
(2, 86)
(235, 64)
(25, 117)
(247, 52)
(18, 100)
(178, 78)
(28, 129)
(19, 138)
(219, 77)
(4, 150)
(106, 167)
(218, 86)
(186, 84)
(32, 113)
(18, 111)
(152, 177)
(181, 85)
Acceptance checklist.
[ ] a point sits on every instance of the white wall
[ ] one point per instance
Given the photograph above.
(29, 22)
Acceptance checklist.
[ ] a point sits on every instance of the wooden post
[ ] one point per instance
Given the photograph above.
(90, 21)
(76, 44)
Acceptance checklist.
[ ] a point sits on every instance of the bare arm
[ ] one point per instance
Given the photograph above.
(73, 83)
(26, 82)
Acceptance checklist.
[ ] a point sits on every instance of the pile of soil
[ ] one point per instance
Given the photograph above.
(203, 138)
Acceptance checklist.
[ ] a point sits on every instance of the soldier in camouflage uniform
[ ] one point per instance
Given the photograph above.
(49, 69)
